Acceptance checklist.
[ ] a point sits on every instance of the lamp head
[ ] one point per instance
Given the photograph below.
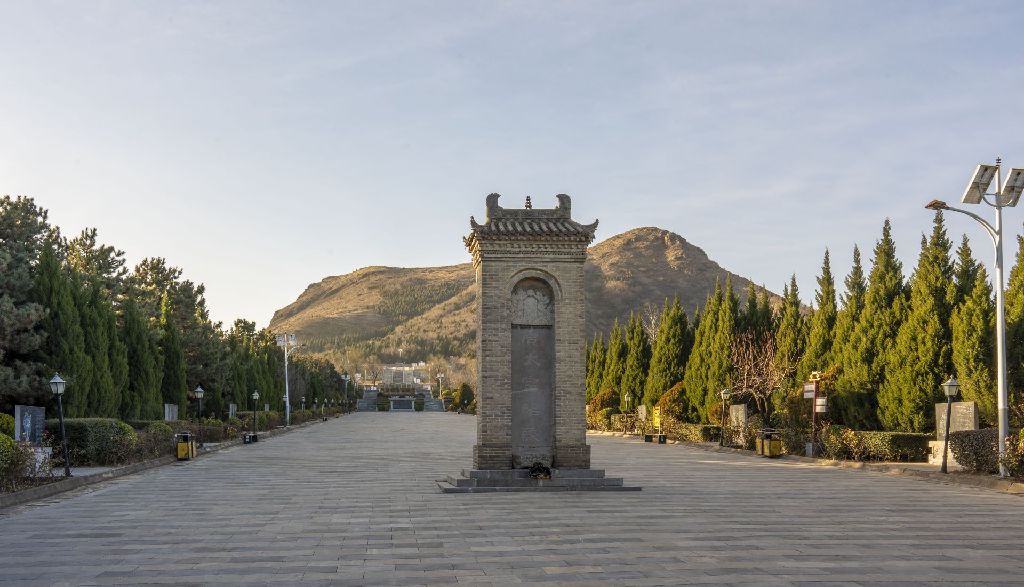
(937, 205)
(57, 384)
(199, 392)
(725, 393)
(951, 388)
(255, 395)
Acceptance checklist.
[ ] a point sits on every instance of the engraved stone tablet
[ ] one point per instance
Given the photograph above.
(28, 424)
(170, 412)
(533, 373)
(738, 415)
(964, 416)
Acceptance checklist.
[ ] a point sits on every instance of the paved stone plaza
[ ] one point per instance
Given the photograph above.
(354, 502)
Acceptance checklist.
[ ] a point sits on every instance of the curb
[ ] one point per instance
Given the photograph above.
(982, 481)
(31, 494)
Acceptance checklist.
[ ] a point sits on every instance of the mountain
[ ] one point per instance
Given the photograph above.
(431, 310)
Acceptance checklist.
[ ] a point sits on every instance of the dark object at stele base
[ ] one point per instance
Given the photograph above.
(539, 471)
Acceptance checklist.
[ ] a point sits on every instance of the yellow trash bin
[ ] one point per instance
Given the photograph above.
(186, 447)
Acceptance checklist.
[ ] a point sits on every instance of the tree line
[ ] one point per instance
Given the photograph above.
(127, 341)
(882, 347)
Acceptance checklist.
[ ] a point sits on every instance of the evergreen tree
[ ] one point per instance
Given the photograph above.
(921, 358)
(91, 305)
(638, 361)
(973, 328)
(965, 272)
(64, 348)
(695, 375)
(862, 362)
(669, 355)
(595, 366)
(719, 375)
(174, 388)
(823, 323)
(756, 316)
(851, 407)
(615, 359)
(790, 335)
(1014, 314)
(142, 400)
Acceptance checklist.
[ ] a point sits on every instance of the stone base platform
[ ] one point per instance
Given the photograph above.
(508, 480)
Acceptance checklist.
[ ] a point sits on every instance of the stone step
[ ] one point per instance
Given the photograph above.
(525, 473)
(528, 482)
(447, 487)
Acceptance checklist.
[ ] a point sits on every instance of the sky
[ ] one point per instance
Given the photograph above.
(262, 146)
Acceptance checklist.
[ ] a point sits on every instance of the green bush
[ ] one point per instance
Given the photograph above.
(264, 420)
(623, 422)
(977, 451)
(17, 462)
(383, 403)
(300, 416)
(1013, 460)
(842, 443)
(417, 403)
(6, 449)
(687, 432)
(7, 425)
(156, 440)
(94, 441)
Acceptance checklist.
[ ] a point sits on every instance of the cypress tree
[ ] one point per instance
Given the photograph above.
(638, 361)
(595, 366)
(921, 358)
(850, 406)
(64, 348)
(823, 323)
(142, 397)
(863, 358)
(790, 335)
(719, 362)
(670, 353)
(695, 375)
(174, 388)
(1014, 313)
(615, 359)
(118, 361)
(973, 327)
(102, 399)
(965, 271)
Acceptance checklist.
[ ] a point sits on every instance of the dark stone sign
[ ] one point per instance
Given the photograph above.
(533, 374)
(28, 424)
(964, 416)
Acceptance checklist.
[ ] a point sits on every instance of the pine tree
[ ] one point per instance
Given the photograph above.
(862, 362)
(669, 355)
(849, 406)
(595, 366)
(817, 355)
(921, 358)
(174, 388)
(790, 335)
(973, 327)
(91, 303)
(965, 271)
(638, 361)
(64, 348)
(615, 359)
(695, 375)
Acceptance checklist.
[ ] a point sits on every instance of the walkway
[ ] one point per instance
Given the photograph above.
(353, 502)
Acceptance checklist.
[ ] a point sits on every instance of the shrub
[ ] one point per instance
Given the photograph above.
(671, 402)
(417, 404)
(606, 398)
(1013, 460)
(687, 432)
(17, 462)
(156, 440)
(94, 441)
(623, 422)
(7, 425)
(842, 443)
(976, 450)
(384, 403)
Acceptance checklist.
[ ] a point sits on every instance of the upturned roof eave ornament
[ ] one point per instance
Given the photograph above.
(544, 223)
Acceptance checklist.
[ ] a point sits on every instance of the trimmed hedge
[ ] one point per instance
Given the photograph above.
(692, 432)
(93, 441)
(842, 443)
(976, 451)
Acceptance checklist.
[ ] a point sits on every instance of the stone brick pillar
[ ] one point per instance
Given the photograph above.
(531, 342)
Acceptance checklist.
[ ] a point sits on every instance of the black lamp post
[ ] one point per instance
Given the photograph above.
(199, 393)
(951, 388)
(725, 393)
(255, 397)
(303, 403)
(57, 386)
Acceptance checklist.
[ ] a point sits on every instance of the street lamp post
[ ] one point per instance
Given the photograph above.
(199, 393)
(303, 403)
(287, 341)
(725, 393)
(1007, 195)
(57, 386)
(255, 398)
(950, 388)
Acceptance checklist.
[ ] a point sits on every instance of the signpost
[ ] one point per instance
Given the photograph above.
(818, 405)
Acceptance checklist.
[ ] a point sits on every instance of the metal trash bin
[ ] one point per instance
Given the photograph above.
(768, 444)
(185, 445)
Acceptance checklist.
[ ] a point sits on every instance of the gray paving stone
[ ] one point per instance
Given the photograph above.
(354, 502)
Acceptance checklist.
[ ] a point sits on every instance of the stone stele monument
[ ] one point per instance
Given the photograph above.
(531, 349)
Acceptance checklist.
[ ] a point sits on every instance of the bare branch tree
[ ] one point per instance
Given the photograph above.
(756, 371)
(650, 317)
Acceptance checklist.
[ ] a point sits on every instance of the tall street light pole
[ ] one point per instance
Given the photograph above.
(287, 341)
(1007, 195)
(199, 393)
(255, 398)
(57, 386)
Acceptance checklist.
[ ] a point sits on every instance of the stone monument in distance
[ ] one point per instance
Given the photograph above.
(531, 349)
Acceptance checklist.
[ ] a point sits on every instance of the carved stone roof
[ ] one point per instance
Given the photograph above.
(530, 223)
